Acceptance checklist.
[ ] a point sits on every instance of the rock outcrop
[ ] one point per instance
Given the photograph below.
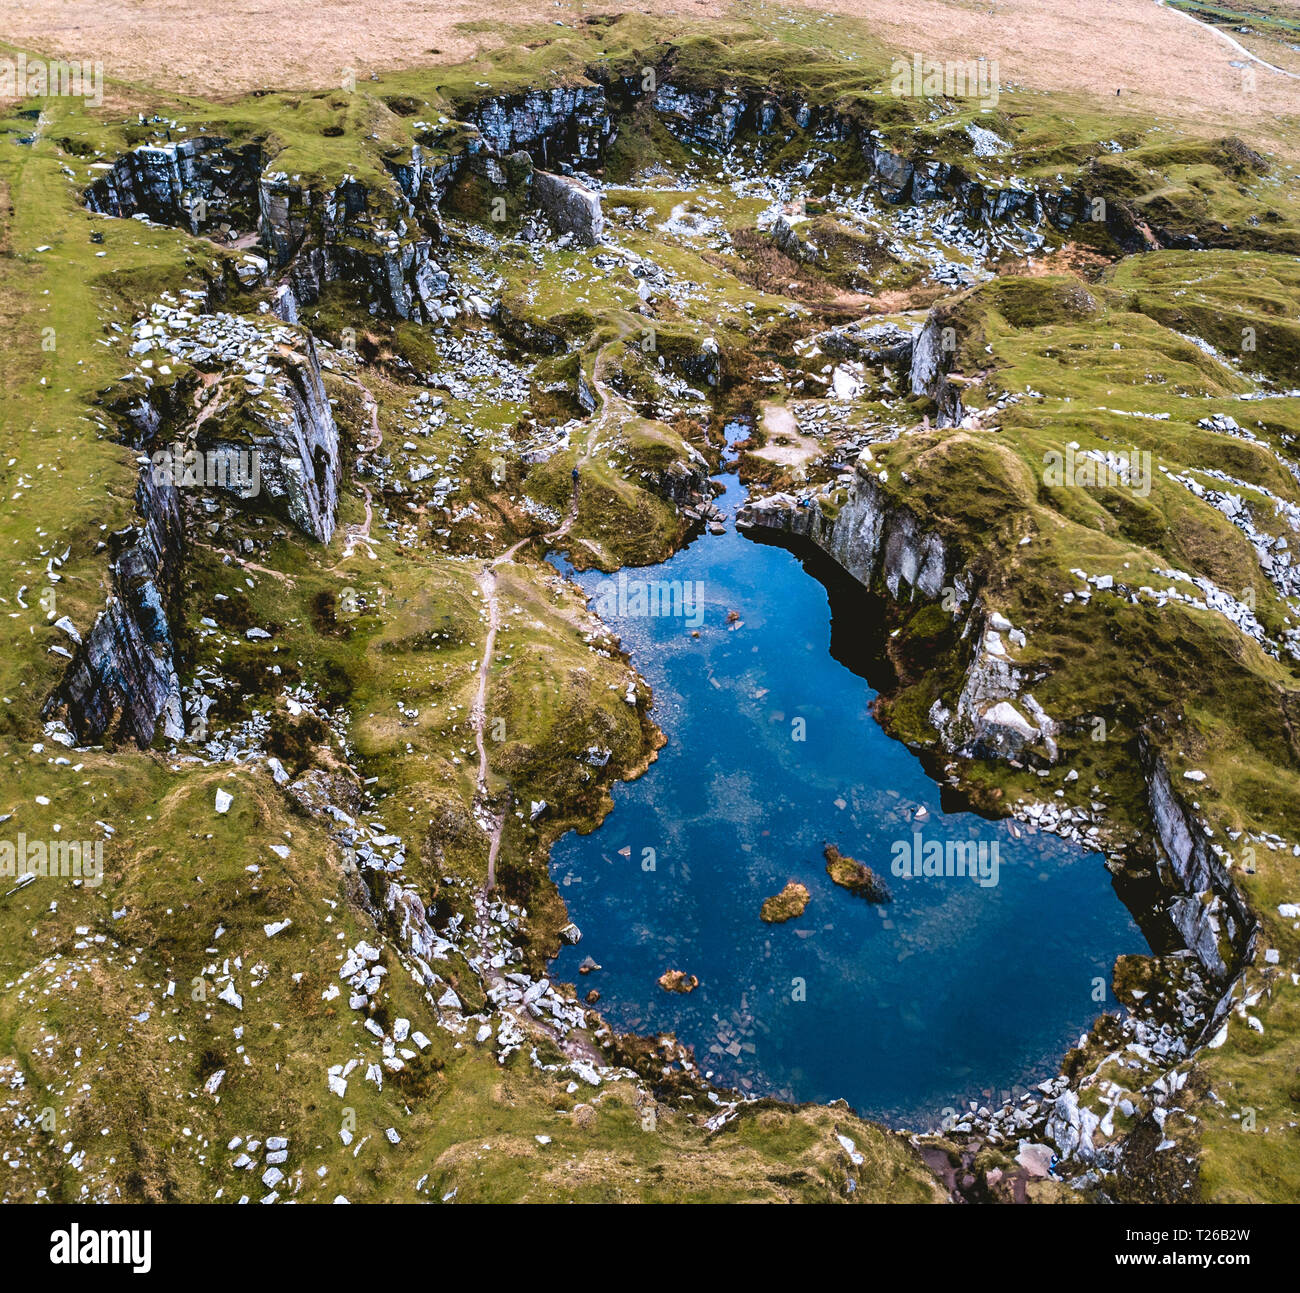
(858, 878)
(880, 343)
(198, 184)
(1209, 913)
(378, 239)
(789, 233)
(887, 549)
(569, 123)
(868, 536)
(293, 433)
(932, 357)
(701, 116)
(570, 206)
(123, 679)
(403, 279)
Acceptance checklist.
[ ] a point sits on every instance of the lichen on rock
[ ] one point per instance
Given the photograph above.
(786, 905)
(858, 878)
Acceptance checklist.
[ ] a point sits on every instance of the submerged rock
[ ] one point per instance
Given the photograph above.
(678, 981)
(855, 876)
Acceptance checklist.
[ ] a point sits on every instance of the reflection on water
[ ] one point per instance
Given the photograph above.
(955, 990)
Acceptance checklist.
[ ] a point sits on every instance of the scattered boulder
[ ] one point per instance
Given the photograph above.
(1036, 1159)
(678, 981)
(855, 876)
(786, 905)
(1003, 727)
(570, 206)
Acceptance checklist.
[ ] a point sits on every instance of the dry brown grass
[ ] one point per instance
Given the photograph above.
(1163, 64)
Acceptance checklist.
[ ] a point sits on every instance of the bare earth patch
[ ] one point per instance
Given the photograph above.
(785, 444)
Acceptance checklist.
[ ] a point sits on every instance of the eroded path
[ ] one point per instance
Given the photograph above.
(356, 534)
(574, 1045)
(1236, 44)
(487, 583)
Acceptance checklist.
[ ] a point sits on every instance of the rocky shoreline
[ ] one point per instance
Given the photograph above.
(886, 550)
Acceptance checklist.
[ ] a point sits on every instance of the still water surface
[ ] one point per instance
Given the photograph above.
(952, 991)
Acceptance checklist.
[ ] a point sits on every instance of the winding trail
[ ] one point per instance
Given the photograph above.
(487, 583)
(1223, 35)
(485, 811)
(355, 534)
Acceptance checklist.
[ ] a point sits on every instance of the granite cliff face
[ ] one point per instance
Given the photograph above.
(701, 116)
(571, 207)
(885, 548)
(570, 124)
(889, 552)
(931, 360)
(1206, 908)
(123, 678)
(874, 541)
(296, 440)
(381, 241)
(198, 184)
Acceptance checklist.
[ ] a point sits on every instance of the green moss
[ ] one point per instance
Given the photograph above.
(786, 905)
(178, 881)
(855, 876)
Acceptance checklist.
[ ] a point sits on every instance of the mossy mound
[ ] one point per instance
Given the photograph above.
(786, 905)
(678, 981)
(856, 877)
